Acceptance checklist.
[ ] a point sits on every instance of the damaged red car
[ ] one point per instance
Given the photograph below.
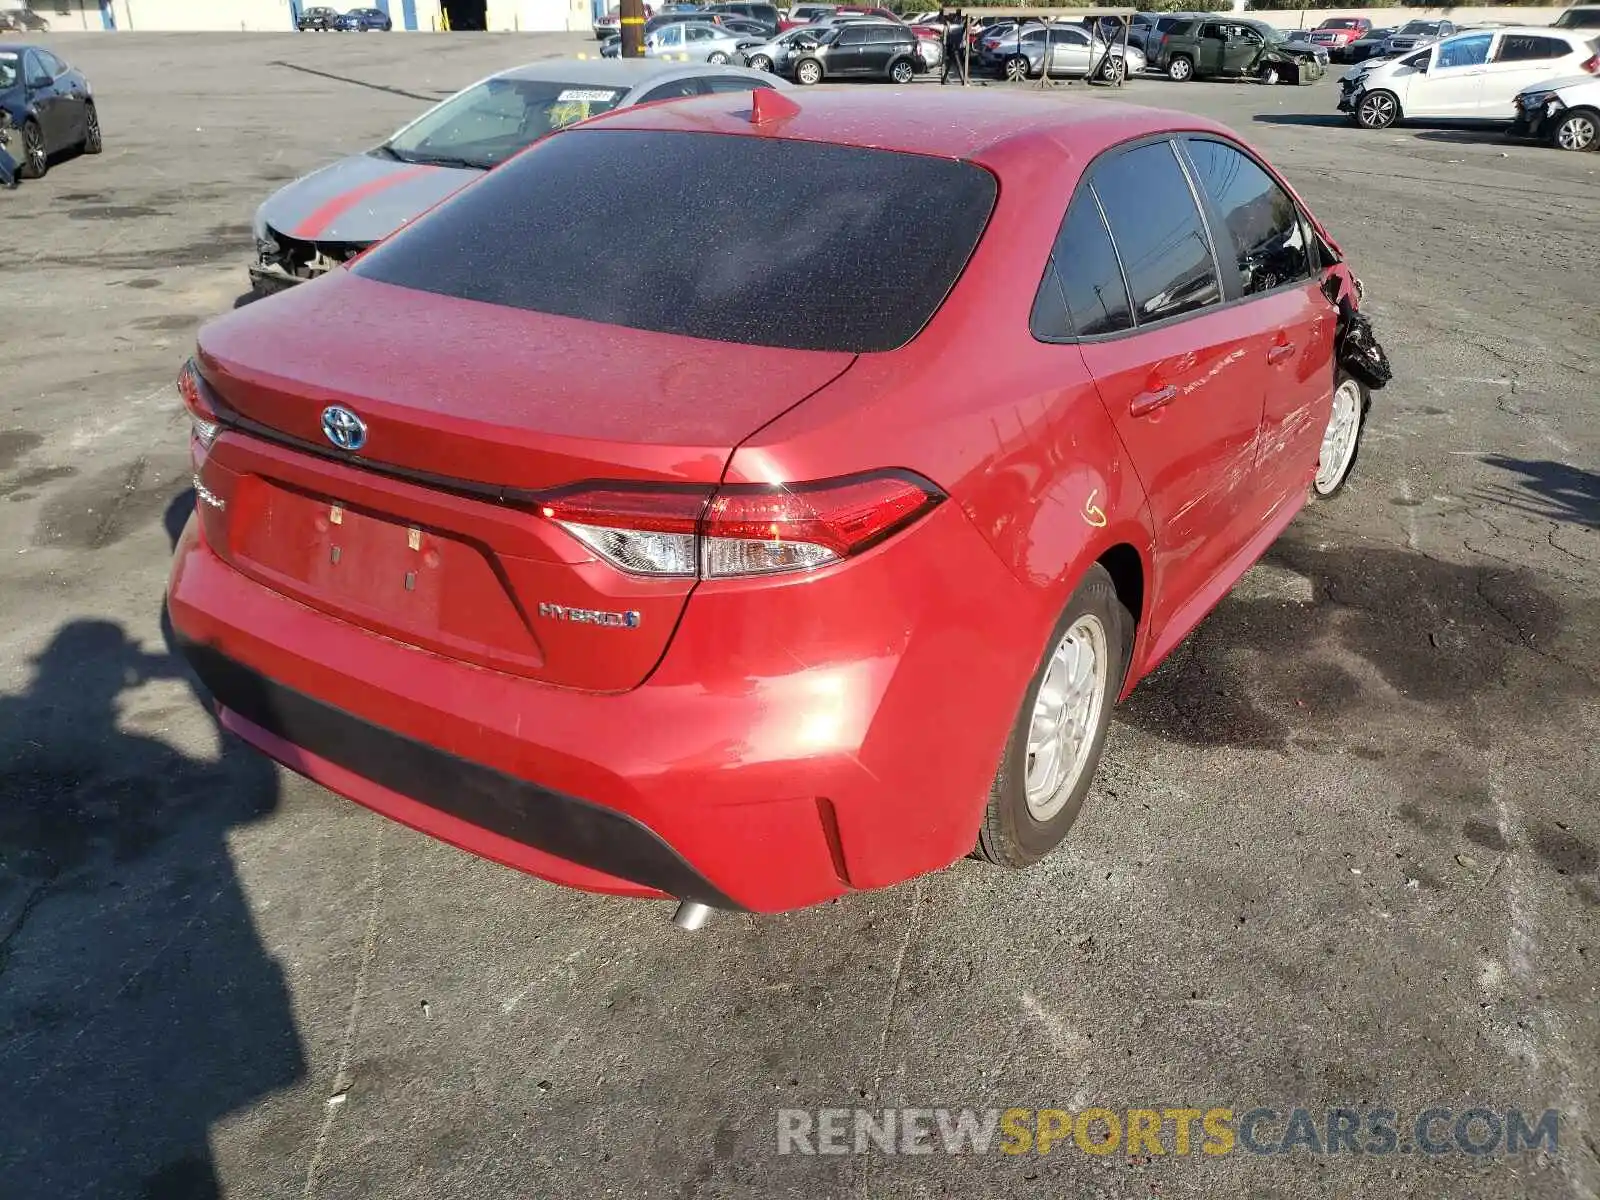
(706, 558)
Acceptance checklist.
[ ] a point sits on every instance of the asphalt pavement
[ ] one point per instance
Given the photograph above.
(1344, 852)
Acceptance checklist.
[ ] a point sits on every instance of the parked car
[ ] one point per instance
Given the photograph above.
(1415, 34)
(774, 54)
(1230, 47)
(1336, 33)
(49, 104)
(1580, 17)
(742, 674)
(1471, 76)
(1073, 53)
(23, 20)
(691, 41)
(364, 20)
(1566, 112)
(859, 50)
(324, 219)
(319, 20)
(1367, 46)
(763, 16)
(804, 14)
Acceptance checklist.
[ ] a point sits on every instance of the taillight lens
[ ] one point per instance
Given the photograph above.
(740, 530)
(1591, 64)
(203, 424)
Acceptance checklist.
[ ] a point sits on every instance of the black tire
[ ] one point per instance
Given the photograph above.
(93, 140)
(35, 162)
(1378, 110)
(1180, 69)
(902, 71)
(1578, 129)
(1011, 836)
(717, 58)
(1342, 379)
(1016, 68)
(759, 62)
(807, 72)
(1270, 75)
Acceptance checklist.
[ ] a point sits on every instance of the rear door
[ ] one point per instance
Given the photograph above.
(1264, 244)
(1175, 369)
(1520, 59)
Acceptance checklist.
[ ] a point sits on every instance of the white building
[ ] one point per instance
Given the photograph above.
(279, 15)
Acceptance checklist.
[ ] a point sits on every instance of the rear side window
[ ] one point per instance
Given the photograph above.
(1158, 231)
(1525, 47)
(801, 245)
(1083, 292)
(1260, 221)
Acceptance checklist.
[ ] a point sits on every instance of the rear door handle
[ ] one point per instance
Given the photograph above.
(1278, 353)
(1150, 401)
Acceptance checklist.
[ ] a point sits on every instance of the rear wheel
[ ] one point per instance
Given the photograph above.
(902, 72)
(1049, 761)
(1016, 68)
(1180, 69)
(716, 58)
(1579, 129)
(808, 71)
(35, 158)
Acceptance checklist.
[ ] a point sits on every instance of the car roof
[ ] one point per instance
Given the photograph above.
(947, 124)
(617, 72)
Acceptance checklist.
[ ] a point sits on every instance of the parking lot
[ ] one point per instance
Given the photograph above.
(1345, 851)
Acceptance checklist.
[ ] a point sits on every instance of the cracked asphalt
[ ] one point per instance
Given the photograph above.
(1344, 852)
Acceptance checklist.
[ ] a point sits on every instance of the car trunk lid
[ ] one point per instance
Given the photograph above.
(431, 531)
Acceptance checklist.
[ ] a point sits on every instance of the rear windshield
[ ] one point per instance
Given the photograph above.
(763, 241)
(1168, 24)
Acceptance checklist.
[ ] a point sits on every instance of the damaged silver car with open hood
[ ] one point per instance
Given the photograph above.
(328, 217)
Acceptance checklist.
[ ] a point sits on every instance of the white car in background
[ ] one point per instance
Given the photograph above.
(1472, 76)
(1566, 112)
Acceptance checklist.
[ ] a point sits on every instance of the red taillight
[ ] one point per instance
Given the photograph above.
(740, 529)
(203, 424)
(1591, 64)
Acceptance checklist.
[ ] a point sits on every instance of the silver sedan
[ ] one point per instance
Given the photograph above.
(691, 41)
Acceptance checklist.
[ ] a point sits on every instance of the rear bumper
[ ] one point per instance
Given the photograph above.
(844, 739)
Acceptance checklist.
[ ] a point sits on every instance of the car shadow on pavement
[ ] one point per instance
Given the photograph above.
(1471, 137)
(1551, 490)
(1330, 120)
(138, 1006)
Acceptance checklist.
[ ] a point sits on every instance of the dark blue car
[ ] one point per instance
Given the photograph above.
(48, 108)
(360, 20)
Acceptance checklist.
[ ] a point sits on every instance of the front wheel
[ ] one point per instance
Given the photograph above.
(1577, 130)
(1049, 761)
(808, 72)
(92, 141)
(902, 72)
(1378, 110)
(1113, 70)
(1269, 75)
(716, 58)
(1180, 69)
(1342, 438)
(759, 62)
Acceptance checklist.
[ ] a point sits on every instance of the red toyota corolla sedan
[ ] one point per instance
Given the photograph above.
(647, 516)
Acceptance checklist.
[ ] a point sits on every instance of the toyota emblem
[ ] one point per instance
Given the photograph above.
(344, 429)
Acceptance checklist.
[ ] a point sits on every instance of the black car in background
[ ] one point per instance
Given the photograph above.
(857, 50)
(48, 105)
(364, 20)
(764, 15)
(320, 20)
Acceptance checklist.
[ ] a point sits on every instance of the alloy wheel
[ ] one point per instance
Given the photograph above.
(1339, 439)
(1066, 713)
(1016, 68)
(760, 62)
(1578, 132)
(33, 149)
(1378, 111)
(901, 73)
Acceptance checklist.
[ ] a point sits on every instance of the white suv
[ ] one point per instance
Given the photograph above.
(1566, 111)
(1472, 76)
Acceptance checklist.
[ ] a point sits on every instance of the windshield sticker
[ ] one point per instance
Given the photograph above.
(578, 95)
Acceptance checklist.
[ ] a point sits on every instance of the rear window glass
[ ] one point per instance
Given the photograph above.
(792, 244)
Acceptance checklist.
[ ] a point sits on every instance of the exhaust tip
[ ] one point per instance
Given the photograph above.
(691, 915)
